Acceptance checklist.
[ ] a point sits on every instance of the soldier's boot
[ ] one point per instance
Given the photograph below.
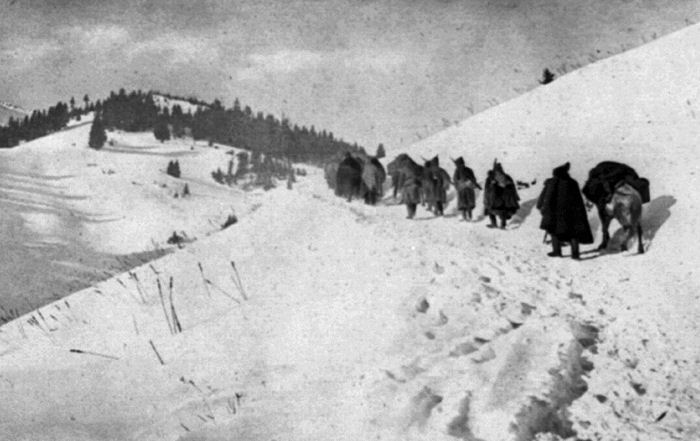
(556, 248)
(575, 254)
(492, 219)
(438, 209)
(503, 223)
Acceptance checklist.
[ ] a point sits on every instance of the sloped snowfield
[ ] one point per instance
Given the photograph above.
(353, 323)
(318, 319)
(72, 216)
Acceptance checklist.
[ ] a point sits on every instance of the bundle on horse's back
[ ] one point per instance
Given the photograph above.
(604, 178)
(642, 186)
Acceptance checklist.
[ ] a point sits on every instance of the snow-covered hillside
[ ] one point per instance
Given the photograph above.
(80, 215)
(8, 111)
(163, 102)
(350, 322)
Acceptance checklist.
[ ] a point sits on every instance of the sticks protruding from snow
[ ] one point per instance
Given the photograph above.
(97, 354)
(165, 311)
(160, 359)
(237, 281)
(221, 290)
(208, 283)
(204, 279)
(136, 326)
(138, 286)
(177, 327)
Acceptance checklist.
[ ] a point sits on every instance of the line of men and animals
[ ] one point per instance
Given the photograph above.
(615, 189)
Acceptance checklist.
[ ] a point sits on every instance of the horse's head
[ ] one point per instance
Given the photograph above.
(596, 191)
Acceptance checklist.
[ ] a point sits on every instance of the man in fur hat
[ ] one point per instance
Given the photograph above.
(564, 215)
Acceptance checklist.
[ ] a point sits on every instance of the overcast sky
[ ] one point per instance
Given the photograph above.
(370, 71)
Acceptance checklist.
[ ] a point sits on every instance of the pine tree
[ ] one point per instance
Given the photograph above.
(381, 153)
(97, 134)
(161, 130)
(242, 168)
(547, 77)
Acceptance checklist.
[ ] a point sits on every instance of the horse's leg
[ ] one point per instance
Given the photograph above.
(628, 235)
(640, 245)
(605, 224)
(411, 207)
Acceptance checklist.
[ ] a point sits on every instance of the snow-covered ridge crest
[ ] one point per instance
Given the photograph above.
(14, 107)
(625, 106)
(163, 102)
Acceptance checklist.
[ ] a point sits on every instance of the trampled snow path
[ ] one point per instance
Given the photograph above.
(331, 345)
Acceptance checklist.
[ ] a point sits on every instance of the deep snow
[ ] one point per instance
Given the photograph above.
(355, 323)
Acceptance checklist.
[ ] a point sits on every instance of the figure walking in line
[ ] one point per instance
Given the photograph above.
(465, 184)
(564, 215)
(411, 193)
(500, 196)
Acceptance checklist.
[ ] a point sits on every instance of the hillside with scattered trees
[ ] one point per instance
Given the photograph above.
(238, 126)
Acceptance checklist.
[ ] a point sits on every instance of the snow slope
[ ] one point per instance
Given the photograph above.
(163, 101)
(8, 111)
(75, 210)
(354, 323)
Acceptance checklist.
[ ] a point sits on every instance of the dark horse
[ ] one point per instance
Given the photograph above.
(373, 177)
(407, 177)
(618, 193)
(402, 168)
(436, 182)
(349, 177)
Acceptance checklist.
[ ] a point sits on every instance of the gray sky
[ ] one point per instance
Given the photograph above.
(371, 71)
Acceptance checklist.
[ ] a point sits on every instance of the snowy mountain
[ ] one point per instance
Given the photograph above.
(8, 111)
(319, 319)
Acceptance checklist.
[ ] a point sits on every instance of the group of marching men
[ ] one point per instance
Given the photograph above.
(564, 214)
(429, 184)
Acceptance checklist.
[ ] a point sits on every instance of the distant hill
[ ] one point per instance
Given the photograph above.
(8, 111)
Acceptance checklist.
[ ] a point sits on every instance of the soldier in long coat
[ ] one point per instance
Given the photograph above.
(465, 184)
(501, 198)
(564, 214)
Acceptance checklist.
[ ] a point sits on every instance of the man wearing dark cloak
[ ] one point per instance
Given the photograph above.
(501, 198)
(564, 215)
